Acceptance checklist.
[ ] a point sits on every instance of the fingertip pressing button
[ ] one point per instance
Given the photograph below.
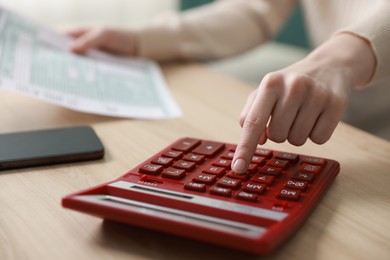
(239, 166)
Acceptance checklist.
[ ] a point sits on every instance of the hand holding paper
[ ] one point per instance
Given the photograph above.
(34, 61)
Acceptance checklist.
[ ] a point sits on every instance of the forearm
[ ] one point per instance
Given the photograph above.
(218, 30)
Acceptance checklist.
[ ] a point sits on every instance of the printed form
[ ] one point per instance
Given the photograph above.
(35, 61)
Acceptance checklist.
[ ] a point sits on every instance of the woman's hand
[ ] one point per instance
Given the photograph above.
(306, 100)
(111, 40)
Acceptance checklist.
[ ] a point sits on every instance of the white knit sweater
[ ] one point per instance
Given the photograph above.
(228, 27)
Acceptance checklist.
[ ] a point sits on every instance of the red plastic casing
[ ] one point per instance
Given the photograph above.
(159, 203)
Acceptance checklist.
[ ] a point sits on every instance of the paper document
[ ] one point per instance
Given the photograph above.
(35, 61)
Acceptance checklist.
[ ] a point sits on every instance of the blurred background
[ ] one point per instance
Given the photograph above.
(290, 45)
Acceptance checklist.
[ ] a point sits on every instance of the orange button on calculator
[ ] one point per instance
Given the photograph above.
(188, 189)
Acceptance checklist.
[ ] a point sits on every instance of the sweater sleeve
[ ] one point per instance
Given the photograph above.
(215, 30)
(375, 28)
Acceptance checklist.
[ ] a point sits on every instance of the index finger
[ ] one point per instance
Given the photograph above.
(89, 39)
(76, 32)
(253, 127)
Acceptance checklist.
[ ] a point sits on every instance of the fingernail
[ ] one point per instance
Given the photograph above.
(239, 166)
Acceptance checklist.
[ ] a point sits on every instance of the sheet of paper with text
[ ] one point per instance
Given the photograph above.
(34, 60)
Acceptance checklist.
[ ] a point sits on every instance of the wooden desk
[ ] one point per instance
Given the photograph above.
(351, 222)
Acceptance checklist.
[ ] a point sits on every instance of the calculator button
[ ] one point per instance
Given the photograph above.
(221, 191)
(252, 167)
(289, 194)
(229, 183)
(287, 156)
(174, 173)
(232, 174)
(271, 171)
(278, 163)
(310, 168)
(263, 152)
(204, 178)
(186, 144)
(173, 154)
(254, 187)
(197, 158)
(222, 163)
(295, 184)
(188, 166)
(242, 195)
(214, 170)
(209, 148)
(258, 160)
(151, 169)
(233, 149)
(164, 161)
(313, 160)
(147, 179)
(304, 176)
(262, 178)
(228, 155)
(195, 186)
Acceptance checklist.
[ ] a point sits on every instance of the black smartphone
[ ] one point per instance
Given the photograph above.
(49, 146)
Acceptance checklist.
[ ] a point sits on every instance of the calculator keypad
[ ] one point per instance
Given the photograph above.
(203, 167)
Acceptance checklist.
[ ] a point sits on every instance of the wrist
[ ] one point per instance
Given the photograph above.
(349, 55)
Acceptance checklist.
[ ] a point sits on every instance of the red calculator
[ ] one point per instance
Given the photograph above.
(188, 189)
